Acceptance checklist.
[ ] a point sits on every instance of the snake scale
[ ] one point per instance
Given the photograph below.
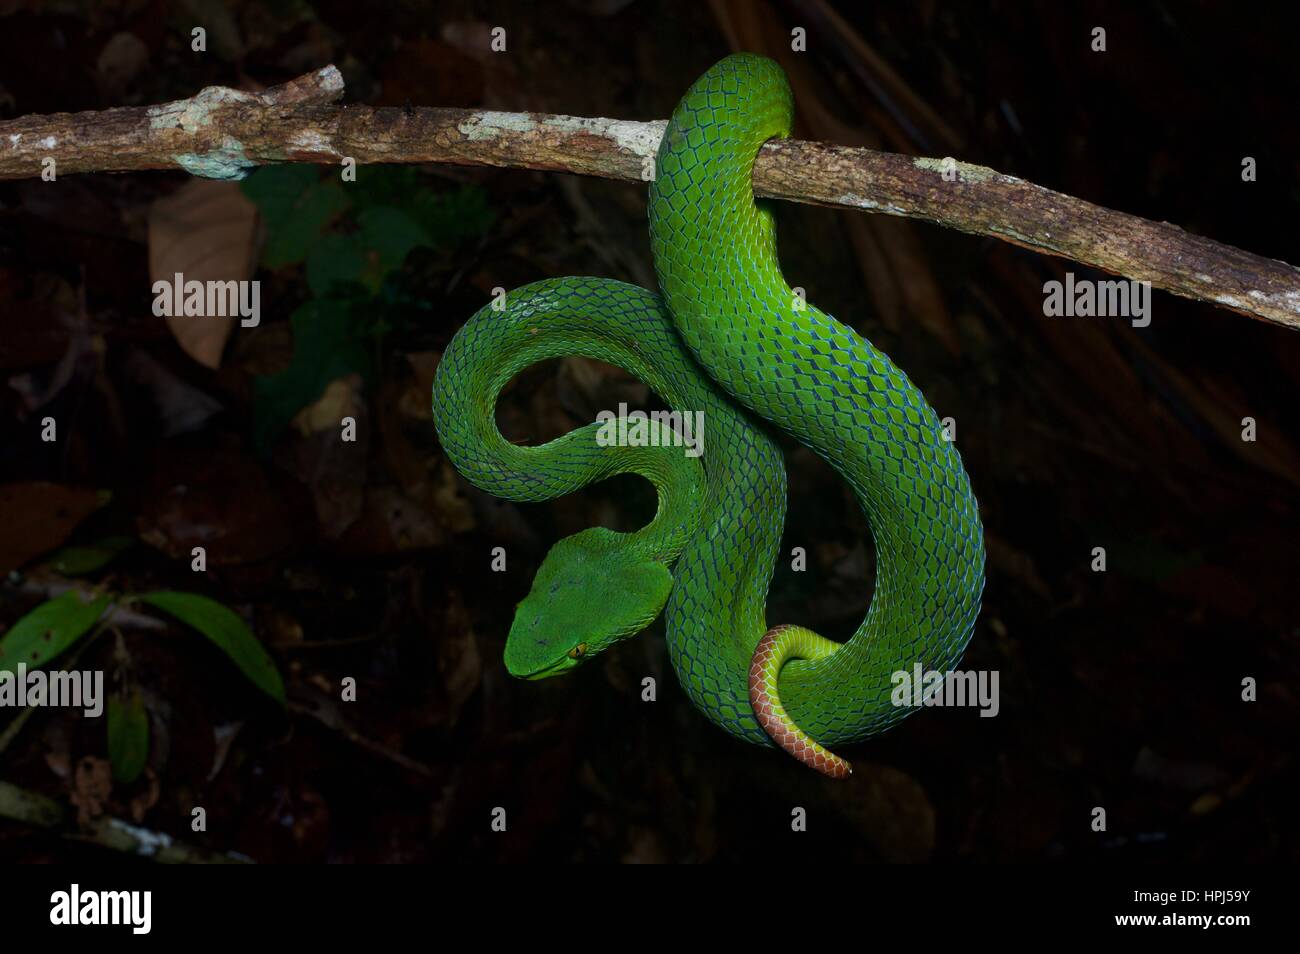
(727, 337)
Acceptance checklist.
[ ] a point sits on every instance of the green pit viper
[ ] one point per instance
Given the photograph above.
(726, 336)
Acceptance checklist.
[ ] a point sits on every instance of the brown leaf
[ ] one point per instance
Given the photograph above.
(414, 401)
(206, 231)
(584, 387)
(39, 516)
(148, 791)
(1179, 774)
(341, 398)
(332, 468)
(425, 71)
(459, 664)
(1013, 562)
(223, 736)
(424, 476)
(36, 325)
(218, 499)
(645, 847)
(92, 784)
(182, 408)
(391, 522)
(119, 62)
(450, 505)
(890, 809)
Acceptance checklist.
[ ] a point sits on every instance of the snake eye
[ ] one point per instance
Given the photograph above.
(577, 651)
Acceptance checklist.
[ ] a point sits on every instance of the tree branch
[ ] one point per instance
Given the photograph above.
(222, 133)
(41, 811)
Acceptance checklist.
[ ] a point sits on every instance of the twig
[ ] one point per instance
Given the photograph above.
(331, 720)
(222, 133)
(117, 614)
(288, 645)
(41, 811)
(14, 727)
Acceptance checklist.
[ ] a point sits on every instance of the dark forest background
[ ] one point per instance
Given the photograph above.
(370, 560)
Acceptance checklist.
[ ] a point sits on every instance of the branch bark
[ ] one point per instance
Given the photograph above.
(222, 133)
(41, 811)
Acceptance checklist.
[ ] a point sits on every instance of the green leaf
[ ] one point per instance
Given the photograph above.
(447, 218)
(296, 206)
(275, 189)
(391, 234)
(454, 217)
(327, 344)
(128, 736)
(386, 185)
(80, 560)
(228, 632)
(335, 260)
(48, 630)
(365, 257)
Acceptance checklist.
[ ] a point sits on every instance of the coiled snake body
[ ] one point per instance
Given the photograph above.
(729, 338)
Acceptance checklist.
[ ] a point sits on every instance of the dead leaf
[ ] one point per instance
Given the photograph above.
(1178, 774)
(1013, 562)
(334, 469)
(224, 38)
(182, 408)
(584, 387)
(217, 499)
(391, 523)
(341, 398)
(414, 401)
(280, 626)
(645, 847)
(426, 70)
(459, 664)
(451, 506)
(57, 744)
(424, 476)
(148, 790)
(39, 516)
(92, 784)
(1205, 804)
(36, 328)
(206, 231)
(890, 809)
(120, 61)
(222, 736)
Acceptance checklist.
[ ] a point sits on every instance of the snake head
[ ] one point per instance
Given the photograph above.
(588, 594)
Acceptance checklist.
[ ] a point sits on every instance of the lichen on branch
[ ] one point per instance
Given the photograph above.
(222, 133)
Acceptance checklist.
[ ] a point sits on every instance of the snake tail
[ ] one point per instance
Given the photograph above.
(800, 370)
(729, 339)
(779, 644)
